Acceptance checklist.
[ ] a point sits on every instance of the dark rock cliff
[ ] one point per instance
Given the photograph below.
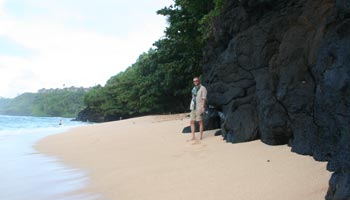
(279, 71)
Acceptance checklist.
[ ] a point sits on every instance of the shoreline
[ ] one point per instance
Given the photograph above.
(149, 158)
(25, 171)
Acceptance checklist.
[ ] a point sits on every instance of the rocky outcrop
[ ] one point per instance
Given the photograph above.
(93, 115)
(89, 115)
(279, 71)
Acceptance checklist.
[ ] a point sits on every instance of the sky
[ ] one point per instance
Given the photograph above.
(81, 43)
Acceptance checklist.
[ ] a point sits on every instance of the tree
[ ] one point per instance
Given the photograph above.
(161, 79)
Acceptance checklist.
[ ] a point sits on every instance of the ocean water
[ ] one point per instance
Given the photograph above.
(25, 174)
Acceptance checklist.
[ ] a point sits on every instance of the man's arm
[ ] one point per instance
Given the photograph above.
(203, 103)
(204, 98)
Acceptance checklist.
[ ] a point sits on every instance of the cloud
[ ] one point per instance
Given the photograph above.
(15, 79)
(67, 50)
(2, 7)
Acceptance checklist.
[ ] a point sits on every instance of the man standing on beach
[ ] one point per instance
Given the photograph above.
(199, 96)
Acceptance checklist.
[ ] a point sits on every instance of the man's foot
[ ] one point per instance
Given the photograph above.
(196, 142)
(192, 139)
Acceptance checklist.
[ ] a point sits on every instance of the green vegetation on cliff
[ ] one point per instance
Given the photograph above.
(161, 79)
(47, 102)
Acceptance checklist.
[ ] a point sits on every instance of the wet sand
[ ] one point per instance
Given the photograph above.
(149, 158)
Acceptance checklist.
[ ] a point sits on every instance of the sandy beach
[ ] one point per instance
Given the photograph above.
(149, 158)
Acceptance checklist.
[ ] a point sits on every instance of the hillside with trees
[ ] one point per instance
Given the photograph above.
(65, 102)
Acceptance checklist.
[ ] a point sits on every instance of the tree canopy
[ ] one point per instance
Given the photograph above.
(160, 80)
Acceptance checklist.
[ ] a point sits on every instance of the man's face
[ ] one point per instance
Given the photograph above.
(195, 81)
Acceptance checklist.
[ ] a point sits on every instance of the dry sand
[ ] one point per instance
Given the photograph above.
(149, 158)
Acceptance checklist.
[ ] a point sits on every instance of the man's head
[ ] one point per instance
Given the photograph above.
(196, 81)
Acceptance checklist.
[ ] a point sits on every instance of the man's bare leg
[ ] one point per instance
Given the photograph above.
(201, 129)
(193, 129)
